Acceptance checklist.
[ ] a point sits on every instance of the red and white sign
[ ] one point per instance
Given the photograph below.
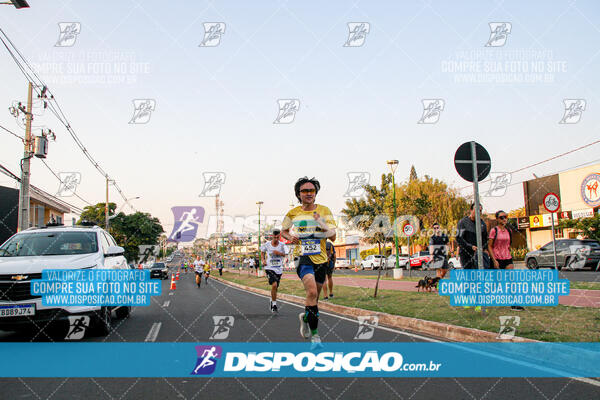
(551, 202)
(408, 230)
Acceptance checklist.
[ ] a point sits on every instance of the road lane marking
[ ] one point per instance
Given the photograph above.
(151, 337)
(166, 304)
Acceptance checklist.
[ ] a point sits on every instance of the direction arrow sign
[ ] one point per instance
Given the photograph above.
(463, 161)
(551, 202)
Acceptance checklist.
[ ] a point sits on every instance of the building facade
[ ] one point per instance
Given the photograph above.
(579, 193)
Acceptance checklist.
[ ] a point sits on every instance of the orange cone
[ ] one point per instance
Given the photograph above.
(173, 284)
(177, 276)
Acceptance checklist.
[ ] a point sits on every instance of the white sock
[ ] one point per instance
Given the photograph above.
(273, 303)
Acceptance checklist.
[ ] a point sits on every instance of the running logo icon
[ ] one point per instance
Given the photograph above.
(357, 33)
(142, 110)
(77, 327)
(499, 32)
(356, 183)
(212, 34)
(186, 223)
(432, 108)
(68, 34)
(207, 359)
(213, 181)
(68, 183)
(499, 182)
(287, 111)
(508, 326)
(147, 252)
(573, 110)
(366, 327)
(223, 325)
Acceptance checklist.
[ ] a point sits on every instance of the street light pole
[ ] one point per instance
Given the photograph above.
(260, 203)
(393, 165)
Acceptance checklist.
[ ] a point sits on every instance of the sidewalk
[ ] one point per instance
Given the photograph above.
(577, 298)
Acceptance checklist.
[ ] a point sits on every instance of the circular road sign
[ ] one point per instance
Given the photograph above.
(463, 161)
(551, 202)
(408, 230)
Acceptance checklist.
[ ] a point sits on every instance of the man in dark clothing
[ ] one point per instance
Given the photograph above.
(438, 249)
(466, 238)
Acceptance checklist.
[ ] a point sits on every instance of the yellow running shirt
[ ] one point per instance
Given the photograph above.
(302, 224)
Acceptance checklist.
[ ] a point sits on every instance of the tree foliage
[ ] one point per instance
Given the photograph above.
(413, 174)
(129, 230)
(428, 199)
(588, 227)
(97, 213)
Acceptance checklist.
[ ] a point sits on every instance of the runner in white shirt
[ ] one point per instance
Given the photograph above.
(199, 270)
(274, 251)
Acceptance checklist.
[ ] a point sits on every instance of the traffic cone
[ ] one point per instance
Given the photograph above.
(177, 276)
(173, 284)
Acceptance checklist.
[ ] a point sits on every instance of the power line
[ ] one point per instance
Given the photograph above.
(542, 162)
(7, 172)
(55, 107)
(60, 180)
(12, 133)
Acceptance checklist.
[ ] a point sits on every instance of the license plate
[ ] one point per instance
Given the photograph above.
(17, 310)
(311, 247)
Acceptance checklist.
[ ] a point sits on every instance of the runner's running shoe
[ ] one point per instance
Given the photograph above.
(315, 342)
(304, 329)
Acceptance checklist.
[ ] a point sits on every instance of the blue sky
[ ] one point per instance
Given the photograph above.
(359, 106)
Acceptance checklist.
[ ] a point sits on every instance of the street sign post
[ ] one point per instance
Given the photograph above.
(473, 164)
(552, 204)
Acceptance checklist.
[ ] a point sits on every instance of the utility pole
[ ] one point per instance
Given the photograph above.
(106, 207)
(24, 202)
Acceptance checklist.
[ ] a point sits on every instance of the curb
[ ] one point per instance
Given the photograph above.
(435, 329)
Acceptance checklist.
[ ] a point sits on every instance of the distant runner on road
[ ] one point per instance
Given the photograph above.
(274, 251)
(309, 225)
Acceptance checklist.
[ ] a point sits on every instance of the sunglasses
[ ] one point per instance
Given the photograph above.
(502, 217)
(308, 191)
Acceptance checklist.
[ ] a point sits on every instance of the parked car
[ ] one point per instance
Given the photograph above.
(372, 262)
(417, 260)
(454, 262)
(159, 270)
(26, 254)
(341, 263)
(573, 254)
(391, 261)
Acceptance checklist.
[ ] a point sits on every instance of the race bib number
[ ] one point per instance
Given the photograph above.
(275, 262)
(310, 247)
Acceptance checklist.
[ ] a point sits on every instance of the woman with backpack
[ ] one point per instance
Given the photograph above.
(499, 242)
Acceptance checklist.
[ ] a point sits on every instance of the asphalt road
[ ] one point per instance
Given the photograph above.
(186, 316)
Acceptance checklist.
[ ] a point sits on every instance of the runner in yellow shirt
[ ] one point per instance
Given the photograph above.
(308, 227)
(206, 272)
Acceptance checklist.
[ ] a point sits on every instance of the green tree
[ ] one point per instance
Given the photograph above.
(413, 174)
(430, 200)
(129, 230)
(588, 227)
(97, 213)
(371, 214)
